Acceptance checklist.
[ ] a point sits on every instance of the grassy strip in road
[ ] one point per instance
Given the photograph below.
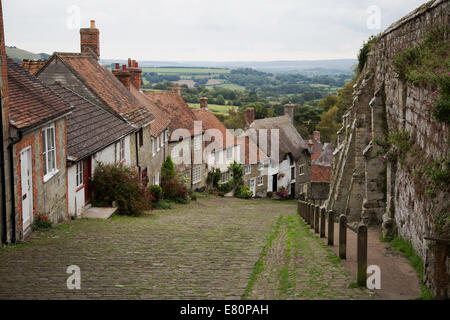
(259, 265)
(287, 274)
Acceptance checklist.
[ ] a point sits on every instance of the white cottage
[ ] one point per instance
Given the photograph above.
(94, 135)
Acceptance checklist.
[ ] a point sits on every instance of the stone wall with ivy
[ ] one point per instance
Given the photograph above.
(392, 161)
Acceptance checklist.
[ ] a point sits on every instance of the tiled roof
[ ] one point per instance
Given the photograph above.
(162, 121)
(315, 155)
(90, 128)
(314, 146)
(107, 87)
(290, 141)
(320, 173)
(326, 157)
(173, 105)
(30, 102)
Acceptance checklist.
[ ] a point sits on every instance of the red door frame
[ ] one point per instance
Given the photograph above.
(87, 177)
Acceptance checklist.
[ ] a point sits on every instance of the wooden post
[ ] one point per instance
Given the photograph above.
(316, 218)
(322, 222)
(330, 228)
(362, 255)
(299, 210)
(343, 237)
(311, 215)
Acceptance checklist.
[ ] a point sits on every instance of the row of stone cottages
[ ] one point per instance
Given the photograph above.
(63, 116)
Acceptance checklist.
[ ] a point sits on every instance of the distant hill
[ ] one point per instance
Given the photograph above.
(19, 54)
(313, 67)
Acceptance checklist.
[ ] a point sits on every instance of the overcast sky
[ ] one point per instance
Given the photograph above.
(204, 30)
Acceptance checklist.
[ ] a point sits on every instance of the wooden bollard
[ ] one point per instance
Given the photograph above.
(299, 210)
(316, 218)
(362, 255)
(311, 215)
(322, 222)
(343, 237)
(330, 228)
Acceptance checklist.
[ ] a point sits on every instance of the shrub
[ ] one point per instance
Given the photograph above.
(156, 192)
(283, 193)
(244, 192)
(116, 182)
(226, 187)
(364, 52)
(174, 188)
(213, 178)
(41, 223)
(162, 205)
(442, 104)
(168, 168)
(238, 172)
(269, 194)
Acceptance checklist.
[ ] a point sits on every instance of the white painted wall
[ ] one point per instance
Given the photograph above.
(76, 199)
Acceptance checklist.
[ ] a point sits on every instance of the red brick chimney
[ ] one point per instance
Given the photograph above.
(33, 66)
(123, 75)
(316, 135)
(90, 40)
(249, 115)
(204, 103)
(135, 73)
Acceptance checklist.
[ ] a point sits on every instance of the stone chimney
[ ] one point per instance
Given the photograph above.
(176, 88)
(136, 73)
(90, 40)
(204, 103)
(289, 110)
(33, 66)
(123, 74)
(249, 115)
(316, 136)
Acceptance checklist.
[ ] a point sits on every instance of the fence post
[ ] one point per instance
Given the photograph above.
(299, 210)
(362, 255)
(330, 228)
(322, 222)
(311, 215)
(316, 218)
(343, 237)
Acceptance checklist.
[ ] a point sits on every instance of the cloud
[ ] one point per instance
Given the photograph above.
(203, 29)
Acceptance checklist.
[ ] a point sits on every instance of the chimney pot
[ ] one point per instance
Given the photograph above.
(92, 24)
(124, 67)
(249, 115)
(137, 65)
(316, 135)
(117, 66)
(204, 103)
(129, 63)
(90, 40)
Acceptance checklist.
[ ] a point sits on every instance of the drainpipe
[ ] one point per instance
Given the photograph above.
(137, 153)
(14, 141)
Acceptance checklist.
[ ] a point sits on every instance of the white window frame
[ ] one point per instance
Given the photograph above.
(49, 171)
(229, 153)
(79, 174)
(175, 152)
(161, 139)
(248, 169)
(301, 170)
(196, 174)
(260, 166)
(166, 135)
(122, 149)
(262, 181)
(158, 147)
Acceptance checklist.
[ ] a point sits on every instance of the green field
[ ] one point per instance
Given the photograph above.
(216, 109)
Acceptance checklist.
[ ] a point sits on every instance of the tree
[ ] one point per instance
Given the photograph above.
(235, 119)
(328, 125)
(168, 168)
(328, 102)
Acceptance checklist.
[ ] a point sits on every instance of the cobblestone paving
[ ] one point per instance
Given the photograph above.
(206, 250)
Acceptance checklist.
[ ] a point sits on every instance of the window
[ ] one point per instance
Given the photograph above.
(260, 166)
(155, 179)
(301, 169)
(196, 174)
(79, 175)
(230, 153)
(162, 139)
(260, 181)
(292, 173)
(225, 177)
(166, 134)
(49, 152)
(248, 169)
(141, 137)
(157, 144)
(153, 146)
(197, 143)
(175, 152)
(122, 150)
(217, 156)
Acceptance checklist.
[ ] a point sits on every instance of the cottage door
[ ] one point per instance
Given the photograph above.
(253, 187)
(27, 187)
(275, 183)
(87, 176)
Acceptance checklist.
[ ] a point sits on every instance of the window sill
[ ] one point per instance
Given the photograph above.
(195, 182)
(50, 175)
